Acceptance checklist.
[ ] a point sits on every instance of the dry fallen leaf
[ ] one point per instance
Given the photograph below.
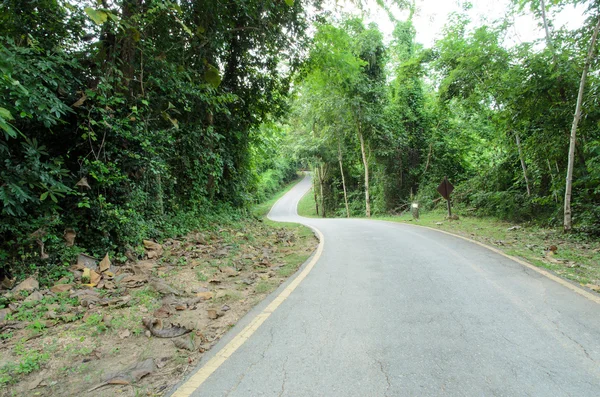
(205, 295)
(58, 288)
(185, 342)
(164, 311)
(104, 264)
(129, 375)
(80, 101)
(155, 329)
(29, 284)
(133, 281)
(163, 288)
(69, 237)
(94, 278)
(85, 277)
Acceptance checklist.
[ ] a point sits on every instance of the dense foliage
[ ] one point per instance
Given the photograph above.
(494, 118)
(131, 119)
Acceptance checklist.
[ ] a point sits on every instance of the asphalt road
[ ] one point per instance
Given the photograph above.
(397, 310)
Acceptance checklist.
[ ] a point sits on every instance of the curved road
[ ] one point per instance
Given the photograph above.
(397, 310)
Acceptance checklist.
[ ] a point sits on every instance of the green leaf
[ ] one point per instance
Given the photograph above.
(212, 76)
(5, 114)
(7, 128)
(98, 16)
(289, 2)
(53, 198)
(44, 196)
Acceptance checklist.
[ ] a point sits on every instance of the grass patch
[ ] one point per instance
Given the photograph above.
(30, 360)
(265, 286)
(227, 297)
(306, 205)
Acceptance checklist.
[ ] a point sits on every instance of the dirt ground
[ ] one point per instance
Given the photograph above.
(139, 327)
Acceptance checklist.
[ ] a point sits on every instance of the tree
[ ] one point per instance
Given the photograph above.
(568, 224)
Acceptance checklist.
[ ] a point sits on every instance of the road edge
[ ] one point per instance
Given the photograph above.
(189, 386)
(546, 273)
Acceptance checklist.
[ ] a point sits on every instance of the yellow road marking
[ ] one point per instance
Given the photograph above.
(545, 273)
(211, 366)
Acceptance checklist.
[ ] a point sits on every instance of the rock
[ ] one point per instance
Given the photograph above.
(196, 290)
(29, 284)
(58, 288)
(225, 308)
(124, 334)
(34, 297)
(512, 228)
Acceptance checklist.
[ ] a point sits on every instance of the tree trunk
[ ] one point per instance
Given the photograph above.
(315, 190)
(522, 163)
(548, 38)
(366, 165)
(552, 179)
(428, 158)
(343, 178)
(568, 225)
(321, 180)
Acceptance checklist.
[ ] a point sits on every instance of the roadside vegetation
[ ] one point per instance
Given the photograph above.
(142, 325)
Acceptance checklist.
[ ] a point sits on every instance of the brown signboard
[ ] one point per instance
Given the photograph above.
(445, 188)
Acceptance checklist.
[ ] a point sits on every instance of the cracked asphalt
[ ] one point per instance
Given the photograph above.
(397, 310)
